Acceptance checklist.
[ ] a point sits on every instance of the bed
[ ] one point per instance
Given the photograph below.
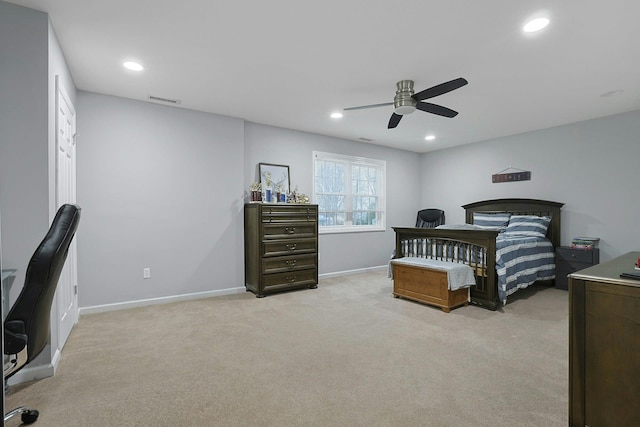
(504, 258)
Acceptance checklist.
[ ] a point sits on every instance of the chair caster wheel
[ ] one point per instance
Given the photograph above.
(30, 416)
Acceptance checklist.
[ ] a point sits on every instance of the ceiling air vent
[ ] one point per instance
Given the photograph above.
(165, 100)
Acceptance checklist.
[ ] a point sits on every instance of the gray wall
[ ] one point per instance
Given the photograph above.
(24, 187)
(344, 251)
(160, 187)
(591, 167)
(30, 60)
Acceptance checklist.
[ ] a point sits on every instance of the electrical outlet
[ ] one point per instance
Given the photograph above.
(146, 273)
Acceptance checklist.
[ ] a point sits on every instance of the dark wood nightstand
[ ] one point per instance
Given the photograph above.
(570, 260)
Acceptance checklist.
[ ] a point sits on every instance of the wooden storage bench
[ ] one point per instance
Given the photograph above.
(427, 284)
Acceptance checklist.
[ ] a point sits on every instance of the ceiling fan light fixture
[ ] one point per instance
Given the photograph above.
(403, 102)
(404, 109)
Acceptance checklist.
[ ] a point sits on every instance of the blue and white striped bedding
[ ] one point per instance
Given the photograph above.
(522, 260)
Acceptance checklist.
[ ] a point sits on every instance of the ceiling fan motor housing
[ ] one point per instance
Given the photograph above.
(403, 102)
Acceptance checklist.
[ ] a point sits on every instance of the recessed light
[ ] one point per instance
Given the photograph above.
(336, 115)
(430, 137)
(535, 25)
(134, 66)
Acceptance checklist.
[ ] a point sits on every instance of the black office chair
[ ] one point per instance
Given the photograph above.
(26, 327)
(427, 218)
(430, 218)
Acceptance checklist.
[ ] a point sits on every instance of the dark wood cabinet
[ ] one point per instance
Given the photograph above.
(280, 247)
(569, 260)
(604, 345)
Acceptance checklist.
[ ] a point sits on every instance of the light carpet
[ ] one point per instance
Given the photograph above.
(344, 354)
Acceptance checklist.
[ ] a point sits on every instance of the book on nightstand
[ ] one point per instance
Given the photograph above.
(585, 242)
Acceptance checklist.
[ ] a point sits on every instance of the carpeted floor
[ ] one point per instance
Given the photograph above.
(345, 354)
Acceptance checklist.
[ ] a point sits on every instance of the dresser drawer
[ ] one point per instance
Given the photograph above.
(290, 279)
(288, 263)
(286, 231)
(289, 247)
(288, 217)
(284, 209)
(289, 213)
(575, 255)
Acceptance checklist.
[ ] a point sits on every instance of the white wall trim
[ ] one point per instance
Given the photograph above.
(201, 295)
(161, 300)
(352, 272)
(37, 372)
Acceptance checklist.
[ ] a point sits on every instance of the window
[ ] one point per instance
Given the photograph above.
(349, 192)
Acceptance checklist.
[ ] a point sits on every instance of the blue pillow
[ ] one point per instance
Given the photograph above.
(528, 225)
(491, 220)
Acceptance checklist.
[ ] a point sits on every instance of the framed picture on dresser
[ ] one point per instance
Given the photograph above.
(275, 176)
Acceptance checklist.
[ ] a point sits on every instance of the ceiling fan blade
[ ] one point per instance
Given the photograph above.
(394, 120)
(440, 89)
(362, 107)
(436, 109)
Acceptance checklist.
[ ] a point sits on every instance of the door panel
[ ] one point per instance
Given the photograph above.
(66, 293)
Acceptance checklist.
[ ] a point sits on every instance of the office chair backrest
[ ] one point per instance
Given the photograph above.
(33, 306)
(430, 218)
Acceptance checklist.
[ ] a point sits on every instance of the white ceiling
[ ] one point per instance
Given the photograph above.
(290, 63)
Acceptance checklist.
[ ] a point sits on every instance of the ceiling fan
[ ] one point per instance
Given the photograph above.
(406, 101)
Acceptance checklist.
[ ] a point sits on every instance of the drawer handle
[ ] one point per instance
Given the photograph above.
(291, 263)
(291, 246)
(290, 279)
(290, 230)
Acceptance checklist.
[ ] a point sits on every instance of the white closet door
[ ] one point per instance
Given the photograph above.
(67, 291)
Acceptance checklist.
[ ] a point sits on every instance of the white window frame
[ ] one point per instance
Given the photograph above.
(381, 189)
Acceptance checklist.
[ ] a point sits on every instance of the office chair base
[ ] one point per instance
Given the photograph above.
(28, 416)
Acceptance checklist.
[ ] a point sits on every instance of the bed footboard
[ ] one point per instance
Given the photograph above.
(476, 248)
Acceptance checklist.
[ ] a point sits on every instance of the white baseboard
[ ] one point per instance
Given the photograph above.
(38, 372)
(207, 294)
(162, 300)
(351, 272)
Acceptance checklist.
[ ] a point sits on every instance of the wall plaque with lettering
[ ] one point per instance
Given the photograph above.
(511, 176)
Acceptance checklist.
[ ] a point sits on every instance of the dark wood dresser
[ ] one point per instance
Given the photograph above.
(569, 260)
(604, 345)
(280, 247)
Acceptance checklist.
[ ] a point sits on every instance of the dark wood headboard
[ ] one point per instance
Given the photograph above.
(521, 207)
